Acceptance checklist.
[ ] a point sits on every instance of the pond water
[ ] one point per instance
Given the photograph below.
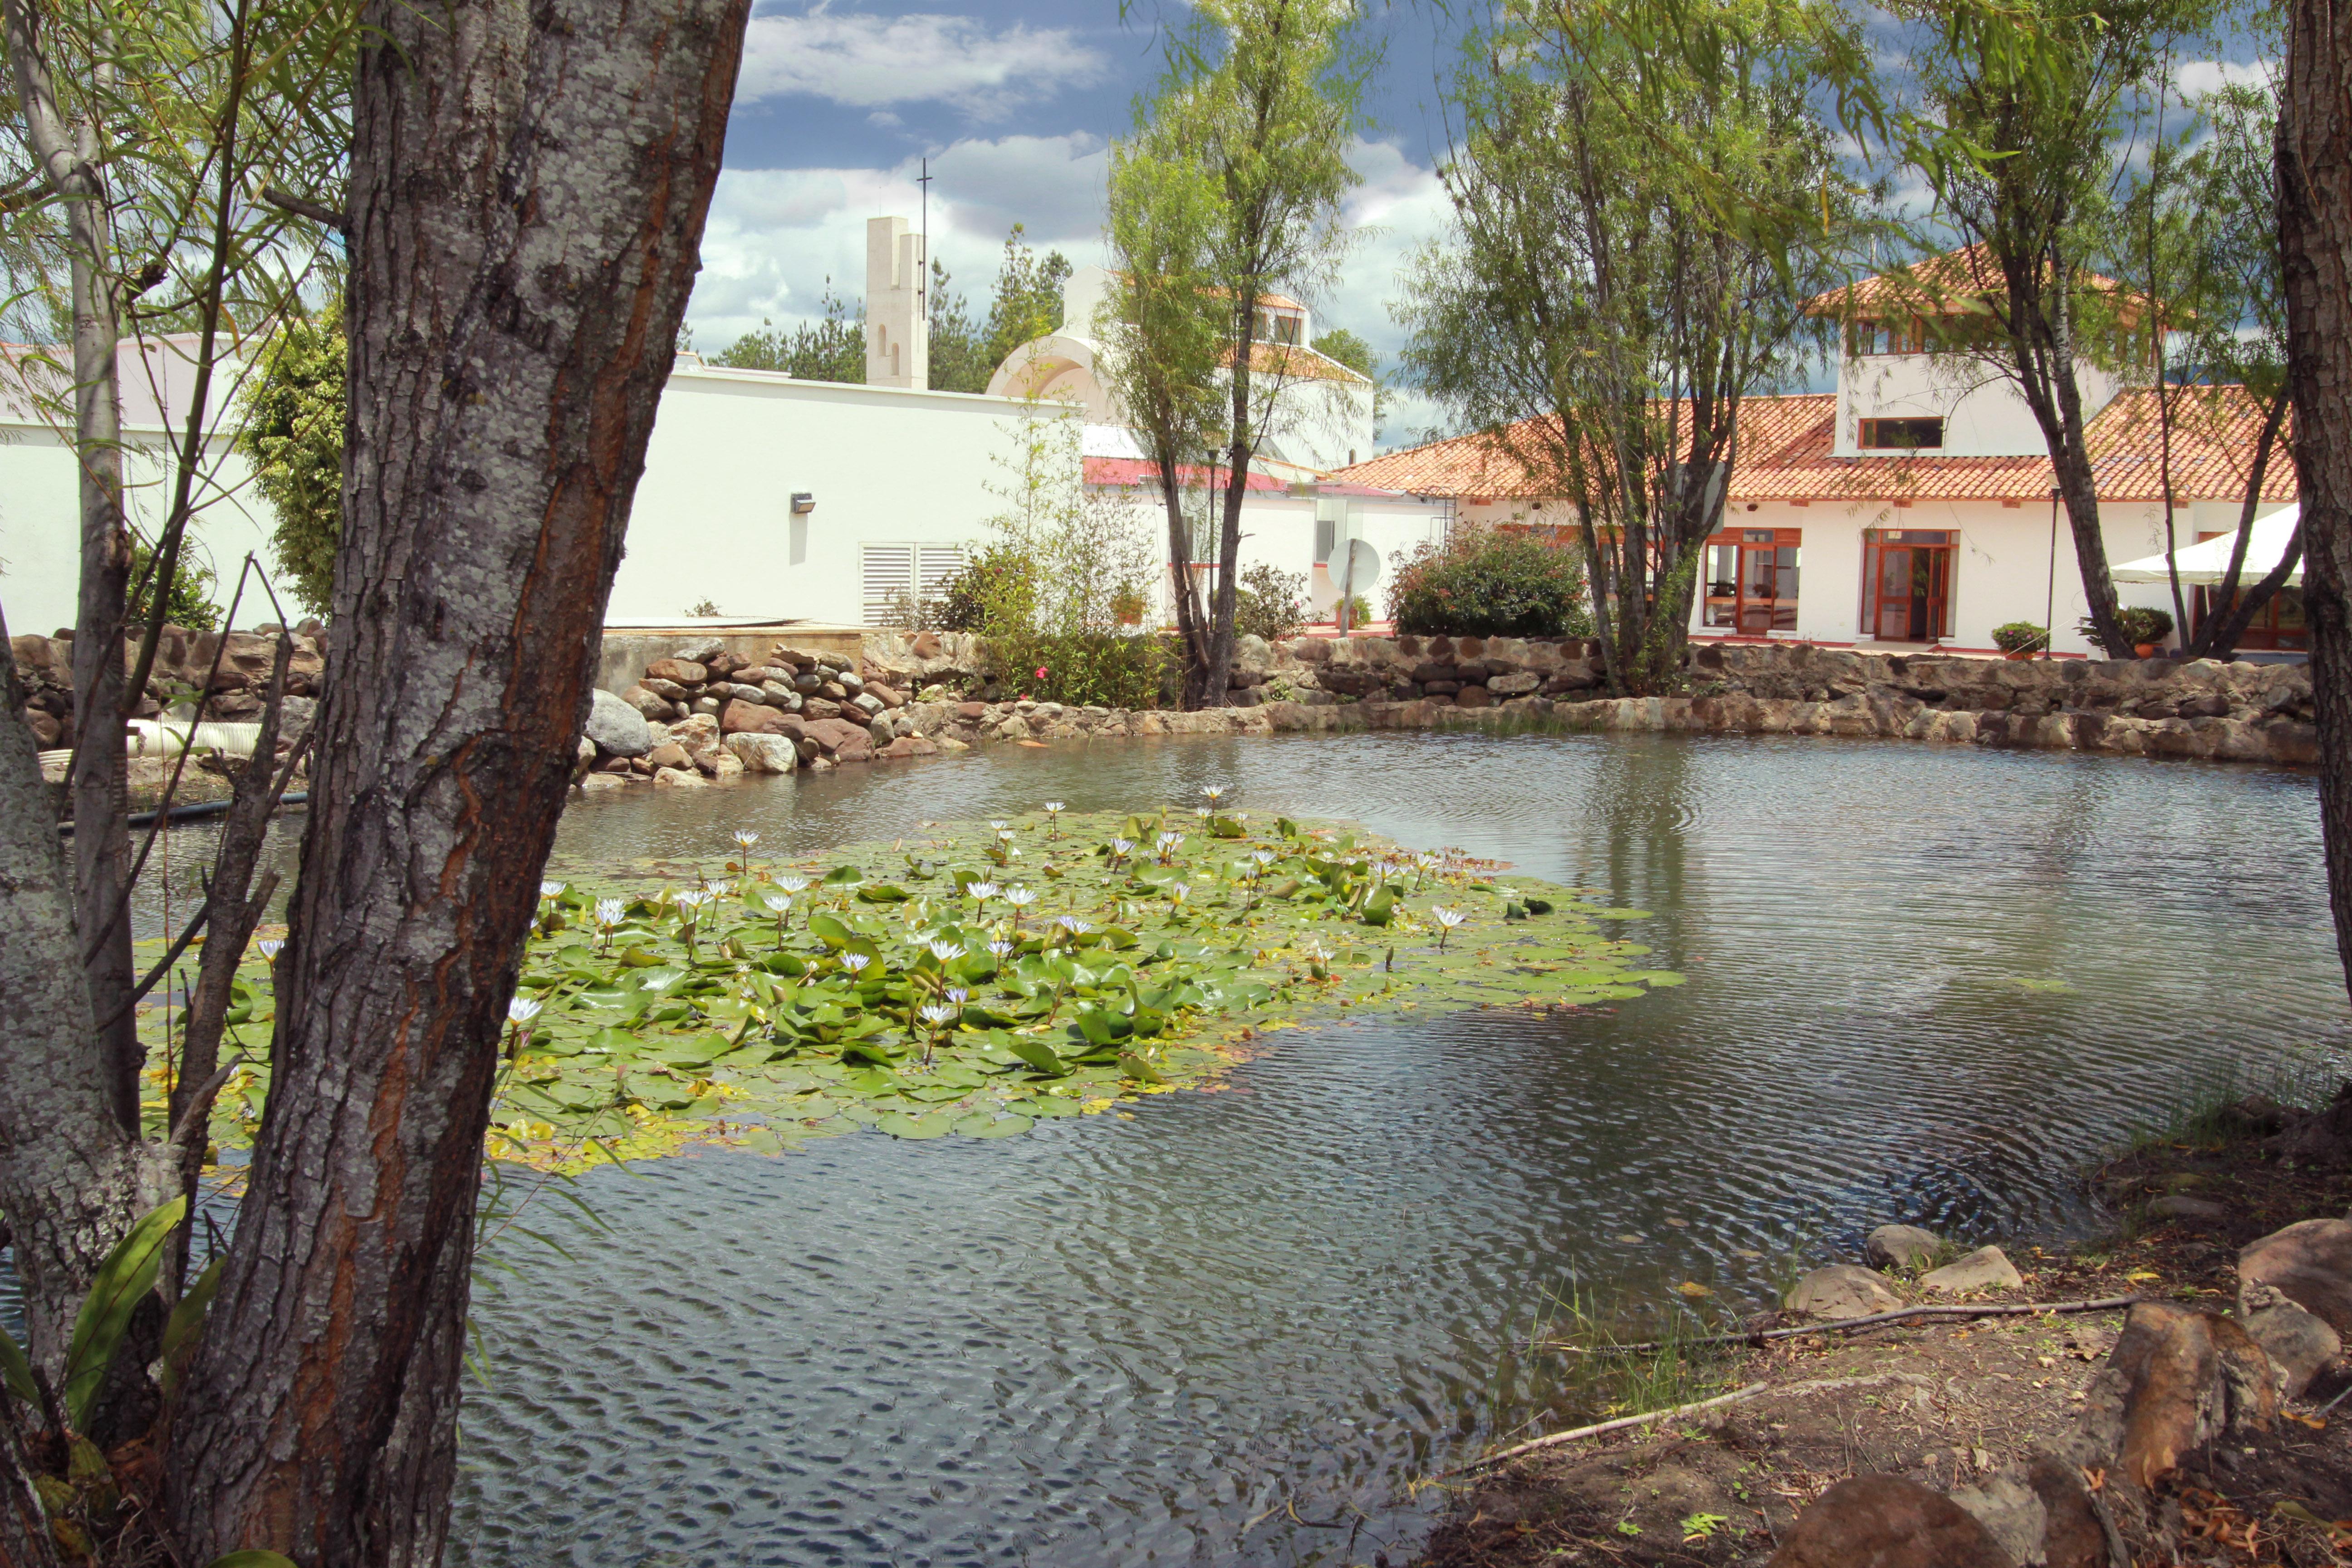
(1926, 984)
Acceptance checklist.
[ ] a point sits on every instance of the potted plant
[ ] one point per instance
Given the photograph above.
(2146, 627)
(1126, 605)
(2021, 639)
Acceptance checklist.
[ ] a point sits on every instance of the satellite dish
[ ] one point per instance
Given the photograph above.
(1357, 570)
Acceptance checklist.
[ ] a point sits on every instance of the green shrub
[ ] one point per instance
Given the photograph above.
(963, 601)
(1086, 669)
(1269, 602)
(187, 602)
(292, 434)
(1490, 582)
(2145, 624)
(2019, 637)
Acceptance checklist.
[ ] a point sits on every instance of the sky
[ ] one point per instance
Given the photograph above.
(1015, 105)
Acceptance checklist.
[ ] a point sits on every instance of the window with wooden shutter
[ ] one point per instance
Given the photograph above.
(893, 574)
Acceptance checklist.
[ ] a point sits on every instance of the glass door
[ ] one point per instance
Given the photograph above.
(1906, 584)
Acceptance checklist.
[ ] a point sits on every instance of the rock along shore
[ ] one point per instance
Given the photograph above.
(909, 694)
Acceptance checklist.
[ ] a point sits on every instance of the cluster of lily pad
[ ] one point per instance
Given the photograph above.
(983, 979)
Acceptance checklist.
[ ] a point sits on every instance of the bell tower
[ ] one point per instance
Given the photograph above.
(898, 327)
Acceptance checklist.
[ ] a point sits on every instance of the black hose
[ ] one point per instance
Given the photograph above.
(202, 809)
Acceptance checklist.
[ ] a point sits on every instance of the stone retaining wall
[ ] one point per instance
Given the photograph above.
(713, 717)
(183, 666)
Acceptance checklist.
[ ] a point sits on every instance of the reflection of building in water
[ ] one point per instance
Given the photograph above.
(1913, 505)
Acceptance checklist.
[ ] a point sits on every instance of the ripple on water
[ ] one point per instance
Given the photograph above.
(1925, 982)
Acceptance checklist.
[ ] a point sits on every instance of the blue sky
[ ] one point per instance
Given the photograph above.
(1015, 105)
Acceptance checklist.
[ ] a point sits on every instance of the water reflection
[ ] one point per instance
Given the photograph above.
(1924, 984)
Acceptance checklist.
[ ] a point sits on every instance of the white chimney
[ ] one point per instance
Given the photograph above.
(898, 329)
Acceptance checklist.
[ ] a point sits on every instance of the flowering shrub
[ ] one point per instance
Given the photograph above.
(1492, 583)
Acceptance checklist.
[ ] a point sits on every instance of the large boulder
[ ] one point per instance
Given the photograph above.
(2308, 1263)
(763, 753)
(2176, 1381)
(840, 739)
(700, 735)
(618, 729)
(1886, 1521)
(649, 704)
(1986, 1269)
(753, 718)
(685, 672)
(2300, 1343)
(1842, 1291)
(1901, 1247)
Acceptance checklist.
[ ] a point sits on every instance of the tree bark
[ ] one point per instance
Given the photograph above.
(2314, 216)
(69, 1174)
(529, 187)
(69, 156)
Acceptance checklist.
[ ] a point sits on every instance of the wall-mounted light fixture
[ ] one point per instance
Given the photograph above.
(803, 501)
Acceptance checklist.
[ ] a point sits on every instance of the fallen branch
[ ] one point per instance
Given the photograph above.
(1844, 1325)
(1622, 1423)
(1626, 1423)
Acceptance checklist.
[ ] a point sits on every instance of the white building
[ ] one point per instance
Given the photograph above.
(767, 498)
(1914, 505)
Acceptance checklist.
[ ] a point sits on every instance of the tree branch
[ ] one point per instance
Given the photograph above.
(304, 207)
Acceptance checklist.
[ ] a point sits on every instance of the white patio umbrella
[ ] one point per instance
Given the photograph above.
(2204, 563)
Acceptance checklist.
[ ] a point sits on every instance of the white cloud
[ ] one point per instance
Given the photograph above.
(776, 234)
(2198, 78)
(869, 62)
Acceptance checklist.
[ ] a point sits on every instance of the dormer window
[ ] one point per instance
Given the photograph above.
(1902, 435)
(1276, 326)
(1903, 335)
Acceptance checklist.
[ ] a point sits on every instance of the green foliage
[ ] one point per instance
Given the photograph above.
(831, 348)
(1339, 344)
(2019, 637)
(672, 1019)
(2144, 623)
(291, 433)
(1228, 191)
(1045, 597)
(1491, 583)
(1597, 307)
(187, 601)
(127, 1275)
(1270, 603)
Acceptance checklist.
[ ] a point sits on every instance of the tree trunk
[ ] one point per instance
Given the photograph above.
(69, 1174)
(529, 186)
(2315, 213)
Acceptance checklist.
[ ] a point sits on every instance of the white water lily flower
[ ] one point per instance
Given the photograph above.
(780, 902)
(270, 949)
(1180, 891)
(690, 902)
(853, 961)
(552, 890)
(983, 891)
(958, 995)
(1447, 917)
(792, 884)
(1001, 948)
(1020, 898)
(1054, 807)
(1215, 792)
(1074, 925)
(609, 913)
(936, 1014)
(522, 1010)
(1000, 826)
(1201, 812)
(946, 951)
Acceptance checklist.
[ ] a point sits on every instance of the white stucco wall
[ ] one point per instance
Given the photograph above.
(1983, 415)
(40, 546)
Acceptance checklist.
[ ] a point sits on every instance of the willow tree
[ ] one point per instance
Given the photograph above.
(1635, 232)
(1228, 192)
(2023, 128)
(527, 186)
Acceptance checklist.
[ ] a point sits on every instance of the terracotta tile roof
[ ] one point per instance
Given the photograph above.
(1137, 471)
(1934, 285)
(1298, 364)
(1785, 447)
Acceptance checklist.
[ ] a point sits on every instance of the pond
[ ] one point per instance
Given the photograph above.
(1924, 984)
